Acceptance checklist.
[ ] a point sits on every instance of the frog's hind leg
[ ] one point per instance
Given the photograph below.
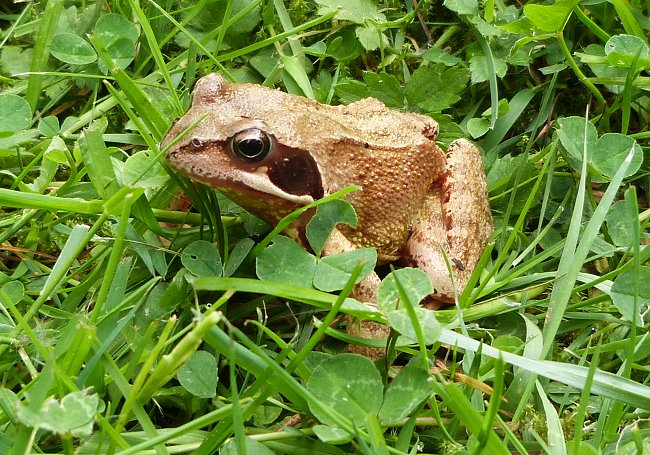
(456, 219)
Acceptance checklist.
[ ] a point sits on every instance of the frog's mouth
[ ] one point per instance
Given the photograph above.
(264, 206)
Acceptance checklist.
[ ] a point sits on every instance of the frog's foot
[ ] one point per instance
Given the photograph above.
(369, 330)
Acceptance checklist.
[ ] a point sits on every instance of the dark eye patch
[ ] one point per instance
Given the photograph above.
(295, 172)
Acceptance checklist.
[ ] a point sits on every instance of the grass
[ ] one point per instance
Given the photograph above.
(129, 326)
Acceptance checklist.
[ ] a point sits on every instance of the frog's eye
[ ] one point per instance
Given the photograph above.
(251, 144)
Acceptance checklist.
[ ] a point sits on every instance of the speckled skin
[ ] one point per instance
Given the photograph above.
(414, 198)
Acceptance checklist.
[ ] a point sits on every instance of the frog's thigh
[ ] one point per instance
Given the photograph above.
(424, 248)
(456, 218)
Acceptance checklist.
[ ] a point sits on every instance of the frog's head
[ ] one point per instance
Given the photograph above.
(235, 138)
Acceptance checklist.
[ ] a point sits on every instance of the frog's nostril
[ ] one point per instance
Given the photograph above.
(196, 143)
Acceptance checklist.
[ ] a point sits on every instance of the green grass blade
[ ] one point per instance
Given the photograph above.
(631, 25)
(51, 15)
(604, 383)
(571, 263)
(154, 48)
(454, 398)
(555, 434)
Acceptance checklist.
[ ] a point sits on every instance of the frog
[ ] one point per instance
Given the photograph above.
(272, 152)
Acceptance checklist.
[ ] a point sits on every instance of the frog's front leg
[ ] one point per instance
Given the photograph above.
(366, 292)
(455, 219)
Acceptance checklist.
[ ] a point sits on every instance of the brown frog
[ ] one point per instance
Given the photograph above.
(272, 152)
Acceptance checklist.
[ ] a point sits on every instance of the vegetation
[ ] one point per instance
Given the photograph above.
(128, 326)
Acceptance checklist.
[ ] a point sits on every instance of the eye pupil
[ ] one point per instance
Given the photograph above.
(251, 147)
(196, 143)
(251, 144)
